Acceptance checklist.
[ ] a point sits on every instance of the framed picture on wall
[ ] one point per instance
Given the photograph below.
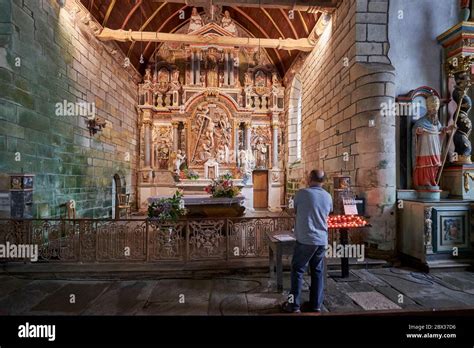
(451, 229)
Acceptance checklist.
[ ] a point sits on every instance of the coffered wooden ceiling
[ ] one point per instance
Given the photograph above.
(259, 18)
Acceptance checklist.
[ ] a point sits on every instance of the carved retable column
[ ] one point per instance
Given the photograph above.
(275, 145)
(147, 124)
(175, 136)
(248, 134)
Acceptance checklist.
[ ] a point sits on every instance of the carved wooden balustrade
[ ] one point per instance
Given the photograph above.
(132, 240)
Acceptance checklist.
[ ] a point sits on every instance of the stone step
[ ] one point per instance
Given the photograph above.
(450, 265)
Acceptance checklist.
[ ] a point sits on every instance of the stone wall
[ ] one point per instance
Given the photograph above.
(346, 78)
(49, 55)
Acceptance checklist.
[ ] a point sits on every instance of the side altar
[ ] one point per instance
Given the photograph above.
(437, 217)
(208, 110)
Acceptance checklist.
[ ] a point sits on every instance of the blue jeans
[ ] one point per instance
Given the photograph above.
(302, 256)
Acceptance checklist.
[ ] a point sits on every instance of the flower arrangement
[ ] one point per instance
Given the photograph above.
(188, 174)
(223, 187)
(167, 209)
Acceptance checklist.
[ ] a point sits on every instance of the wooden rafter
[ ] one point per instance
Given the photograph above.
(242, 13)
(290, 23)
(109, 11)
(305, 26)
(145, 25)
(161, 28)
(300, 5)
(130, 14)
(270, 18)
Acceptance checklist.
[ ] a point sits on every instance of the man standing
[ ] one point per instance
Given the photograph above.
(312, 207)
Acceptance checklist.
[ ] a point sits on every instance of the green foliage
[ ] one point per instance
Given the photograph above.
(167, 209)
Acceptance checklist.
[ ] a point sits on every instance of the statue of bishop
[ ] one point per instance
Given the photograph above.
(427, 135)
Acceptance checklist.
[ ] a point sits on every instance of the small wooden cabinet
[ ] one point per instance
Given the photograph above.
(260, 189)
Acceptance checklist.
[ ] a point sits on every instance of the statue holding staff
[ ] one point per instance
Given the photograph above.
(427, 134)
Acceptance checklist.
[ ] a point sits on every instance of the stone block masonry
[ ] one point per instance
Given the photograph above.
(345, 80)
(49, 55)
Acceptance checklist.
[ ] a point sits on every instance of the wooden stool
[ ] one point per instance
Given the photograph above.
(71, 209)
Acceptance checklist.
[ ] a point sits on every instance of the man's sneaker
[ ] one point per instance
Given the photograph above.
(290, 308)
(308, 309)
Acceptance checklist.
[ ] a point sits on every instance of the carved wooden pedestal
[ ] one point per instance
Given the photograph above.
(459, 181)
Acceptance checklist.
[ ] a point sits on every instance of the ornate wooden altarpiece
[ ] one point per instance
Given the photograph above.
(205, 104)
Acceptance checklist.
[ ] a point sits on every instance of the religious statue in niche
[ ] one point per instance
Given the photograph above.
(163, 154)
(462, 144)
(195, 22)
(247, 164)
(162, 146)
(275, 80)
(212, 67)
(228, 23)
(261, 82)
(147, 77)
(261, 137)
(175, 84)
(163, 80)
(178, 161)
(427, 133)
(260, 154)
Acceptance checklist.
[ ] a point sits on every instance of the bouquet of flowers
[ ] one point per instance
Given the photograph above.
(188, 174)
(223, 187)
(167, 209)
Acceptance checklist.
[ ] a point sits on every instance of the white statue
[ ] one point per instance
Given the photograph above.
(228, 24)
(195, 22)
(177, 162)
(247, 162)
(175, 85)
(261, 154)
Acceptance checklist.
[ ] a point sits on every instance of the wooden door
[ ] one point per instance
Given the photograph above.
(260, 189)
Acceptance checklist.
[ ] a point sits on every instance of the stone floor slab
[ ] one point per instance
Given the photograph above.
(59, 303)
(372, 300)
(22, 299)
(122, 298)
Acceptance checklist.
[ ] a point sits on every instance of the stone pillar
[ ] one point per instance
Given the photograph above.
(175, 136)
(248, 135)
(275, 146)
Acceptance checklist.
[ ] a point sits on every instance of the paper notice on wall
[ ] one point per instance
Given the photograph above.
(350, 207)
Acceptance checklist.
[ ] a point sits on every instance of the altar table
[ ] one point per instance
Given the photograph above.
(206, 206)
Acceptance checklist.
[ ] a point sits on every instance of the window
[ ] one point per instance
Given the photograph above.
(295, 120)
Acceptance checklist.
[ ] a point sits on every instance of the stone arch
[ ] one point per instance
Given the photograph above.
(119, 185)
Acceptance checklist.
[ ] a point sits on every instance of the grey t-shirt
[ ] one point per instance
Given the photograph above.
(313, 205)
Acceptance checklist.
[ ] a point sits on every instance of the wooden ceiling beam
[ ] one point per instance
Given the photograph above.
(107, 34)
